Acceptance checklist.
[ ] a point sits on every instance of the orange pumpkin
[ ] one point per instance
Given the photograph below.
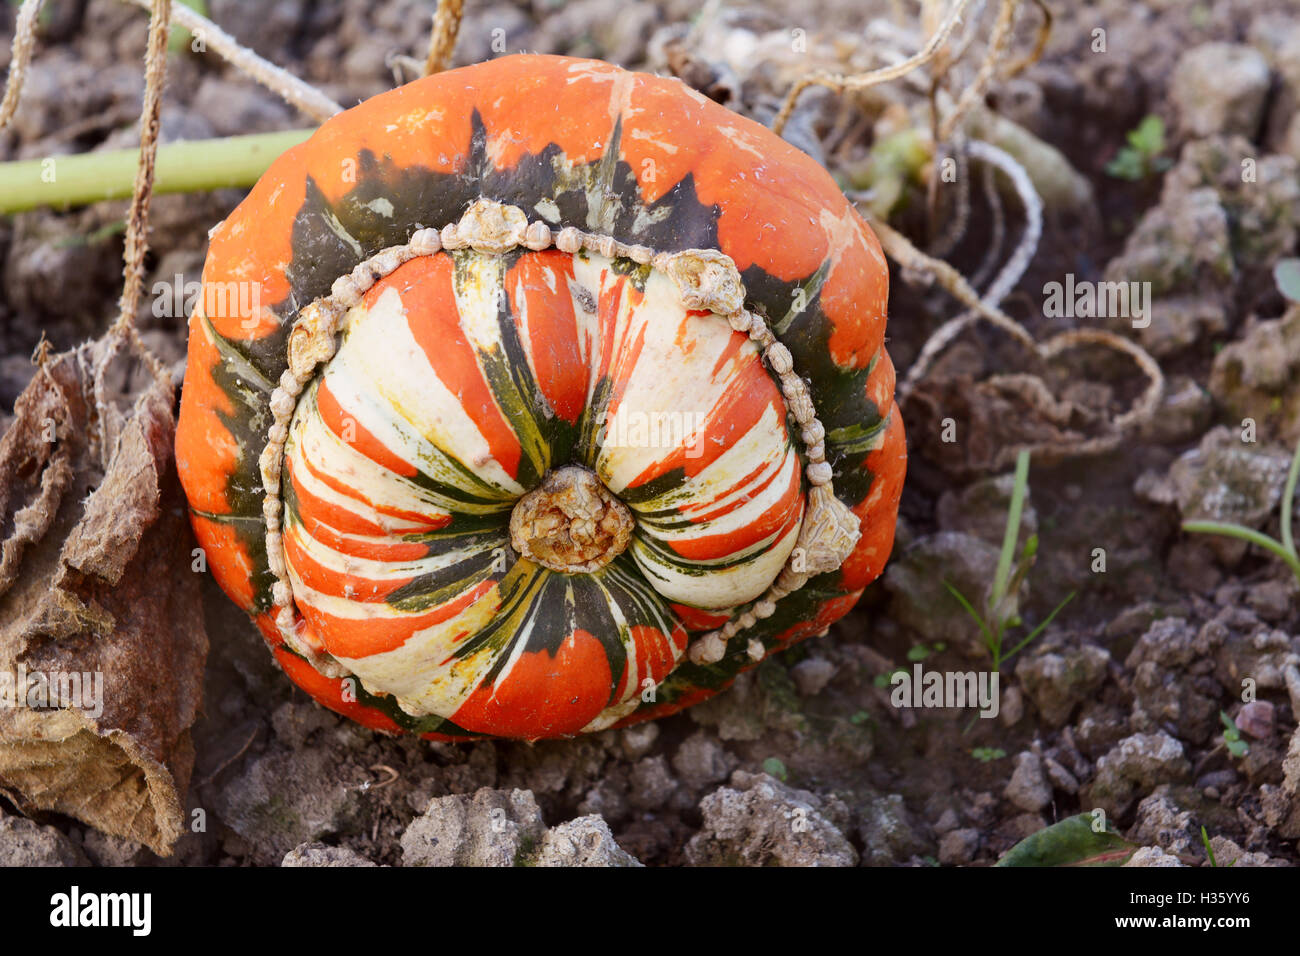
(539, 397)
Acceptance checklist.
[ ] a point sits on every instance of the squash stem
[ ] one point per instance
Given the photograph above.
(194, 166)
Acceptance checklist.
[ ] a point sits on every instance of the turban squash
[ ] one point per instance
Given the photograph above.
(539, 397)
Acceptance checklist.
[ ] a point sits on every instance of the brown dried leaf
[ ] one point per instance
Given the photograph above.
(1057, 411)
(995, 418)
(94, 579)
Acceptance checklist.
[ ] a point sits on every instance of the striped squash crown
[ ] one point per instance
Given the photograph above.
(539, 397)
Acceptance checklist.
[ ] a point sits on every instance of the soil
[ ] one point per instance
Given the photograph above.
(1116, 705)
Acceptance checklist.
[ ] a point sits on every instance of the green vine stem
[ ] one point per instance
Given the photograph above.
(193, 166)
(1284, 549)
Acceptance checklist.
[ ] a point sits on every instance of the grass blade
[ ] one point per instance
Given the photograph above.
(1012, 533)
(961, 599)
(1041, 627)
(1209, 850)
(1246, 534)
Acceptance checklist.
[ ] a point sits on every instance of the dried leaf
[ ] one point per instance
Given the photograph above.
(95, 582)
(996, 417)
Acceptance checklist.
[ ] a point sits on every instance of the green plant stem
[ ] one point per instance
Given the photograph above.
(1011, 535)
(1288, 499)
(196, 166)
(1041, 627)
(1209, 850)
(1247, 534)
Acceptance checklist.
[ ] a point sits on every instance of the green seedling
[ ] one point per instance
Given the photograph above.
(887, 678)
(776, 768)
(1074, 841)
(1008, 578)
(1284, 549)
(988, 754)
(1209, 850)
(1141, 157)
(919, 652)
(1232, 736)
